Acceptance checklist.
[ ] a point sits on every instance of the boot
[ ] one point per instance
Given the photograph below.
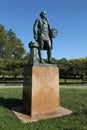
(40, 57)
(49, 57)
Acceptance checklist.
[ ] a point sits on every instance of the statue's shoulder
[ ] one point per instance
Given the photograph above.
(37, 20)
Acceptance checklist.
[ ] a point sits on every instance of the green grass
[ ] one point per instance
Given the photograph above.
(73, 99)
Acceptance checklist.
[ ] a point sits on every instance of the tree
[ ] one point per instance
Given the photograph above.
(3, 41)
(11, 50)
(15, 48)
(63, 65)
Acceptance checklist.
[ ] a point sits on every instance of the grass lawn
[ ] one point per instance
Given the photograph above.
(73, 99)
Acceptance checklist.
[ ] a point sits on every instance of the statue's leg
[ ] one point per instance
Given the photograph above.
(40, 55)
(49, 53)
(40, 51)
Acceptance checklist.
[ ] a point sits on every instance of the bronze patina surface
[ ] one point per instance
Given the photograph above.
(43, 35)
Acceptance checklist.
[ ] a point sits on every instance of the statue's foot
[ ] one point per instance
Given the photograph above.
(42, 62)
(50, 62)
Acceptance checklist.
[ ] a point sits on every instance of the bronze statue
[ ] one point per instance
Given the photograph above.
(43, 34)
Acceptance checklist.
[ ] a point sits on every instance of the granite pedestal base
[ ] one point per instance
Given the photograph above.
(18, 111)
(41, 90)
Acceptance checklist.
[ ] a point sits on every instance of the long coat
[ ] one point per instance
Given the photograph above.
(37, 28)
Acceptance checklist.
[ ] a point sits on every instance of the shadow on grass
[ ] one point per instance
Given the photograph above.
(10, 102)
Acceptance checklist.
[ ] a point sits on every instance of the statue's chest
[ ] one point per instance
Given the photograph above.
(44, 24)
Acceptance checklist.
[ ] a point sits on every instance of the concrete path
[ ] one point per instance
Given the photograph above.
(61, 86)
(10, 86)
(79, 87)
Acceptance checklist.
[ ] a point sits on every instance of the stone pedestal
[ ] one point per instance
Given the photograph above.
(41, 89)
(33, 53)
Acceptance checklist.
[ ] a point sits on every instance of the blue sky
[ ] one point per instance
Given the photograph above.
(69, 17)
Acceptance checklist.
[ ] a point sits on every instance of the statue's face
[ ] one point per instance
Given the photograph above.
(43, 15)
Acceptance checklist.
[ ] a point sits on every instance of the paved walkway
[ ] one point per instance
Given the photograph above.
(10, 86)
(79, 87)
(61, 86)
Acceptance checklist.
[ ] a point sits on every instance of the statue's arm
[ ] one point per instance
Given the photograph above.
(35, 29)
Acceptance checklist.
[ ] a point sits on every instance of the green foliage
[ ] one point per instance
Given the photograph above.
(73, 68)
(3, 40)
(73, 99)
(10, 45)
(12, 53)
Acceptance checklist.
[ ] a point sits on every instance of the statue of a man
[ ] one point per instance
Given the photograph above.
(42, 34)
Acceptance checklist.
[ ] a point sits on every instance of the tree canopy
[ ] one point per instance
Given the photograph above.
(10, 45)
(12, 52)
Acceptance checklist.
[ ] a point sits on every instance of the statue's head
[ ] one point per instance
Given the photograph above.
(43, 14)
